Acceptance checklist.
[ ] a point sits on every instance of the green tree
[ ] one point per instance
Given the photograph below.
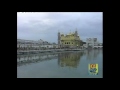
(81, 43)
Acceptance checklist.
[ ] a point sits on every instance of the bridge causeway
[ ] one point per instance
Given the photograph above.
(42, 51)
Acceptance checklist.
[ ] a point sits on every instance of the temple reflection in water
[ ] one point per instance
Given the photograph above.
(69, 59)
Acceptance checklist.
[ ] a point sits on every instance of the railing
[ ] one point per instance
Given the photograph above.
(46, 49)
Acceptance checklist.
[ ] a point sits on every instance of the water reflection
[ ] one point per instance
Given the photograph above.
(65, 59)
(59, 65)
(69, 59)
(92, 54)
(34, 58)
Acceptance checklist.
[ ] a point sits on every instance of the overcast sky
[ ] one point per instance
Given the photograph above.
(45, 25)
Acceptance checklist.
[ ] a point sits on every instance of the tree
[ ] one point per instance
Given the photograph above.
(81, 43)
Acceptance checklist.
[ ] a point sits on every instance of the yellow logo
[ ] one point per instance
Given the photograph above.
(93, 69)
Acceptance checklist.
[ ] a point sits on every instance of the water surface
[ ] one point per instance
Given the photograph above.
(59, 65)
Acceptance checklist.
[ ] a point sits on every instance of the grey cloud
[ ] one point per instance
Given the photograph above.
(87, 24)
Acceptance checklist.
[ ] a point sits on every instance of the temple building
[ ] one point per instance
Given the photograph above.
(71, 40)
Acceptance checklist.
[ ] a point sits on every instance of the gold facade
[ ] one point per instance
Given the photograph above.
(70, 40)
(69, 59)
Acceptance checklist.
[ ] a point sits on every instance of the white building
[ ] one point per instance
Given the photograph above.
(93, 43)
(84, 46)
(31, 44)
(49, 46)
(21, 43)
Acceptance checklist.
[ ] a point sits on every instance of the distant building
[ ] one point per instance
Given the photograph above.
(50, 45)
(34, 45)
(84, 46)
(69, 40)
(93, 43)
